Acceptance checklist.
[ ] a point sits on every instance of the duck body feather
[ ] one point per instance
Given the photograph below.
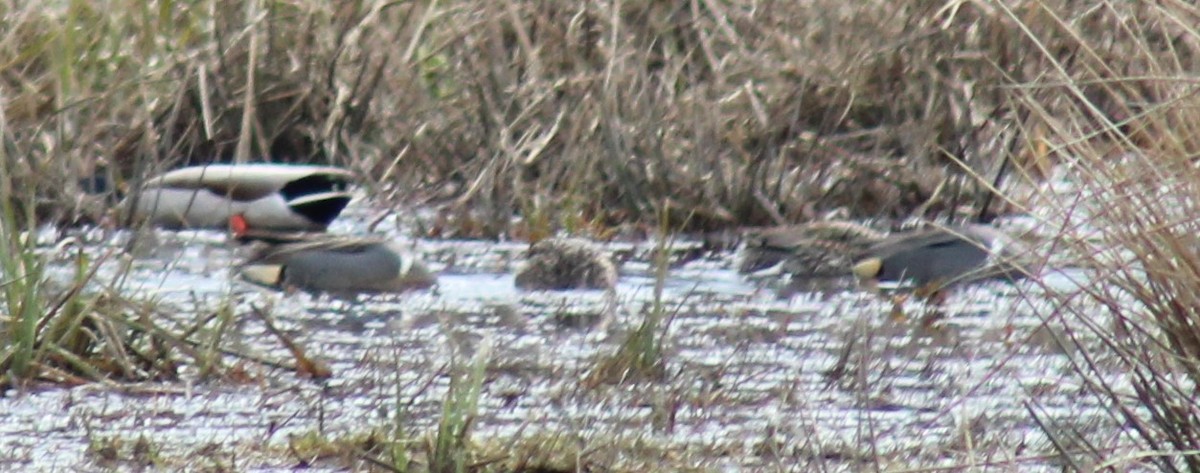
(339, 265)
(823, 249)
(943, 256)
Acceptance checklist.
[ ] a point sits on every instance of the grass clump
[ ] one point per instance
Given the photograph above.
(114, 452)
(450, 450)
(554, 452)
(640, 355)
(65, 334)
(314, 448)
(86, 329)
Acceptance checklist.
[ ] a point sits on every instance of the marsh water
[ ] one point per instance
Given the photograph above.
(757, 375)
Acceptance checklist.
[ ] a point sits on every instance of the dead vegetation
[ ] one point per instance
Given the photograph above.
(1121, 112)
(597, 112)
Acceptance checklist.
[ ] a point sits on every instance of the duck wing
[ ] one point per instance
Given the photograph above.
(246, 182)
(927, 238)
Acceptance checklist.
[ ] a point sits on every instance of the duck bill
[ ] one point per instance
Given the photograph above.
(868, 269)
(263, 274)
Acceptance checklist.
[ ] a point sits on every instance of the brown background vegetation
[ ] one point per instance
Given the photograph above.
(590, 114)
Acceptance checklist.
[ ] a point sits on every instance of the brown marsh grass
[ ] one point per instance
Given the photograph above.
(589, 114)
(1123, 114)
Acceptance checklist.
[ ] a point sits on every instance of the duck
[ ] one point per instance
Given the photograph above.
(282, 197)
(342, 265)
(556, 264)
(814, 250)
(935, 258)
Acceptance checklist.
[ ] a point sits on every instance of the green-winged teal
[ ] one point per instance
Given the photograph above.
(935, 258)
(326, 263)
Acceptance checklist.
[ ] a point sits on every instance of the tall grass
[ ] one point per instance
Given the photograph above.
(40, 338)
(1122, 110)
(736, 112)
(451, 451)
(640, 354)
(22, 272)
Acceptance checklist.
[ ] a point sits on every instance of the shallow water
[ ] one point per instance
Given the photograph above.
(753, 380)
